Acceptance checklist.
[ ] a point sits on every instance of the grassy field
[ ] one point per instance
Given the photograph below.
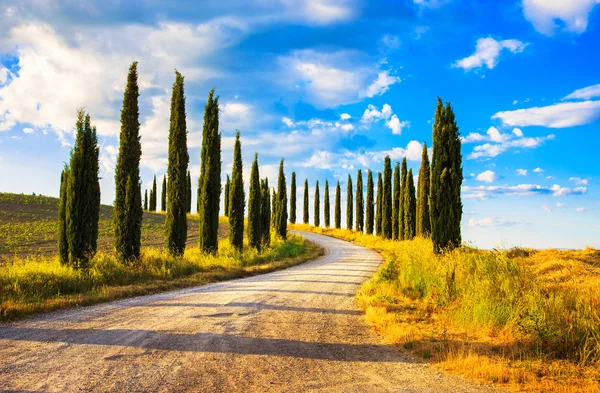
(524, 319)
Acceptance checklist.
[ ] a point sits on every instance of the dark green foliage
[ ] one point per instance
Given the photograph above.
(401, 229)
(446, 179)
(360, 204)
(349, 207)
(379, 207)
(410, 208)
(370, 206)
(326, 205)
(396, 203)
(265, 211)
(146, 200)
(236, 198)
(153, 196)
(423, 221)
(209, 183)
(254, 206)
(305, 203)
(386, 206)
(273, 208)
(189, 193)
(293, 199)
(226, 197)
(63, 241)
(177, 188)
(337, 210)
(163, 195)
(282, 213)
(317, 206)
(128, 206)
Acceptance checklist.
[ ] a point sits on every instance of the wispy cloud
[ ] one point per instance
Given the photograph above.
(485, 192)
(544, 14)
(562, 115)
(585, 93)
(490, 222)
(487, 52)
(499, 142)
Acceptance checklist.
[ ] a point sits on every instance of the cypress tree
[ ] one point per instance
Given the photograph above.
(401, 228)
(305, 211)
(410, 208)
(370, 206)
(446, 179)
(128, 206)
(326, 205)
(281, 219)
(254, 206)
(293, 199)
(177, 187)
(146, 200)
(273, 208)
(63, 241)
(337, 210)
(349, 208)
(189, 193)
(317, 206)
(386, 208)
(153, 196)
(209, 183)
(423, 223)
(265, 211)
(163, 195)
(226, 196)
(379, 207)
(360, 204)
(396, 203)
(236, 198)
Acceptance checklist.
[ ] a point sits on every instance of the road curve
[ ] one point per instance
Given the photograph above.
(295, 330)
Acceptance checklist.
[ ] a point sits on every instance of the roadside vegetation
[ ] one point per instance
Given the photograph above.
(524, 319)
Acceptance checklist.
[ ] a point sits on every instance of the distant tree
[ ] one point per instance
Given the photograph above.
(446, 179)
(386, 210)
(163, 195)
(379, 207)
(326, 205)
(236, 198)
(226, 196)
(146, 200)
(153, 196)
(317, 216)
(189, 193)
(63, 240)
(281, 219)
(293, 199)
(265, 211)
(423, 221)
(396, 209)
(370, 205)
(360, 204)
(403, 175)
(410, 208)
(305, 211)
(128, 205)
(349, 206)
(337, 210)
(255, 234)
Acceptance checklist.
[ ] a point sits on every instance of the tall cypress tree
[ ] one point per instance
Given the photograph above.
(153, 196)
(226, 196)
(177, 187)
(396, 203)
(146, 200)
(63, 241)
(360, 204)
(273, 208)
(326, 205)
(128, 206)
(305, 201)
(401, 228)
(379, 207)
(163, 195)
(236, 198)
(189, 193)
(282, 213)
(349, 207)
(293, 199)
(337, 210)
(254, 206)
(370, 206)
(423, 222)
(317, 206)
(446, 179)
(209, 183)
(386, 208)
(410, 208)
(265, 211)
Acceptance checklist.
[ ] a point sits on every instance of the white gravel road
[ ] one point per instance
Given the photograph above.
(295, 330)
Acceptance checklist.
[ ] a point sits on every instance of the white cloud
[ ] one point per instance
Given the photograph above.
(487, 176)
(391, 41)
(580, 209)
(28, 130)
(396, 125)
(235, 115)
(345, 116)
(321, 159)
(489, 222)
(521, 172)
(485, 192)
(373, 114)
(431, 3)
(487, 52)
(517, 132)
(538, 170)
(562, 115)
(502, 143)
(287, 121)
(381, 84)
(584, 94)
(322, 11)
(3, 74)
(579, 181)
(543, 14)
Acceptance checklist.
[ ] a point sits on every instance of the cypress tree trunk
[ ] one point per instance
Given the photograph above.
(209, 183)
(282, 214)
(446, 179)
(63, 241)
(128, 216)
(386, 209)
(177, 188)
(410, 208)
(236, 198)
(337, 210)
(370, 209)
(423, 223)
(360, 205)
(254, 206)
(163, 195)
(326, 205)
(265, 211)
(349, 207)
(146, 200)
(153, 196)
(189, 192)
(396, 204)
(317, 206)
(305, 201)
(402, 221)
(226, 197)
(273, 208)
(293, 199)
(379, 207)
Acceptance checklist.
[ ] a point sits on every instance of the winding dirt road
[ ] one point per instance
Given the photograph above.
(295, 330)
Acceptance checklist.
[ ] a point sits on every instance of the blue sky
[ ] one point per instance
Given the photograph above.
(331, 85)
